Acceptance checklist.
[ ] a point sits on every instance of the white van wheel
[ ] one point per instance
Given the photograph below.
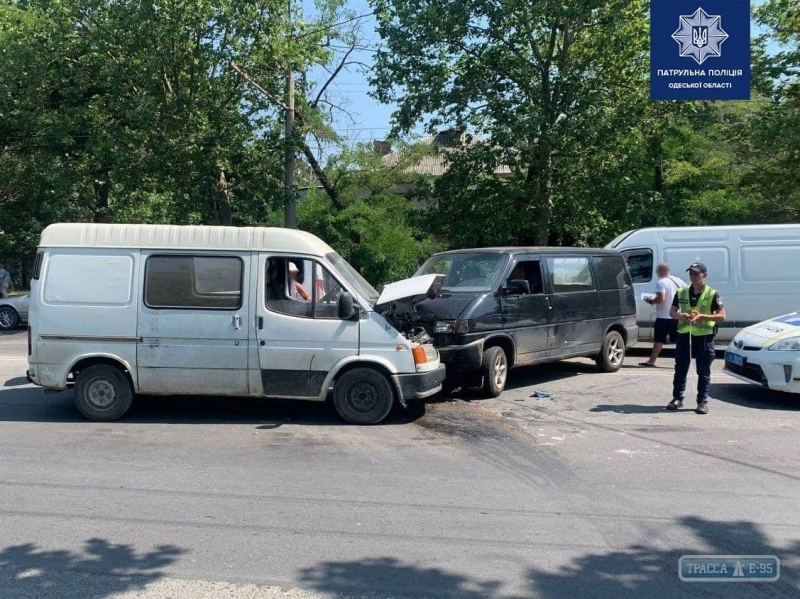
(494, 369)
(613, 353)
(103, 393)
(363, 396)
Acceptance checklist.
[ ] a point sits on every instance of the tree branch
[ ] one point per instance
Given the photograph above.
(336, 71)
(312, 160)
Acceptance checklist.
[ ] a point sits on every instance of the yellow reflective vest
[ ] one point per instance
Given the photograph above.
(697, 329)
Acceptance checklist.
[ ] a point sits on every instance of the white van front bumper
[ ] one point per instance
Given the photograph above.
(419, 385)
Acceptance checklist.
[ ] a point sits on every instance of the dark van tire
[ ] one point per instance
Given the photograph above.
(9, 319)
(103, 393)
(613, 353)
(363, 396)
(494, 370)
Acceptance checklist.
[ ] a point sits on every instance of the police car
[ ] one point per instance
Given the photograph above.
(768, 354)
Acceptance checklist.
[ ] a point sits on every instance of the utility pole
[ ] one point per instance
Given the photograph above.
(291, 199)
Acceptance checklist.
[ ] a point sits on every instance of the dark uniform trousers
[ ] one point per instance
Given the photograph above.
(703, 353)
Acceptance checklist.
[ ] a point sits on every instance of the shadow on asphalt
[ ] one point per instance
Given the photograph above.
(631, 409)
(33, 405)
(753, 396)
(635, 571)
(28, 571)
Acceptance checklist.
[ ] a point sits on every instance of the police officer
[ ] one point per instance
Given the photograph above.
(698, 309)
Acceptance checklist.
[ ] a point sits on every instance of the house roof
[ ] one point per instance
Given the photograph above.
(437, 164)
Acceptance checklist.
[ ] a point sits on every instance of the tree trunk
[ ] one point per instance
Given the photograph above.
(544, 198)
(222, 206)
(659, 174)
(101, 185)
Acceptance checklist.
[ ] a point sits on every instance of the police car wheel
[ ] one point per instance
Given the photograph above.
(363, 396)
(103, 393)
(613, 353)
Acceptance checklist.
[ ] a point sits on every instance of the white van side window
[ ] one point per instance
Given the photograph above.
(89, 279)
(208, 282)
(301, 287)
(640, 264)
(570, 274)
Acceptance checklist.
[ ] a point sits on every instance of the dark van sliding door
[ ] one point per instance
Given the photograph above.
(575, 315)
(525, 315)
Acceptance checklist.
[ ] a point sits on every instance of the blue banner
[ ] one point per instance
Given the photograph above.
(700, 50)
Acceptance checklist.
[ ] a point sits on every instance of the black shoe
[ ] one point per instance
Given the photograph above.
(702, 407)
(675, 404)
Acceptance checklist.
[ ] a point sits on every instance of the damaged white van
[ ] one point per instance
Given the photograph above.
(118, 310)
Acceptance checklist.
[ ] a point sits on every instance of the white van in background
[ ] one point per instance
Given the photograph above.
(755, 268)
(168, 310)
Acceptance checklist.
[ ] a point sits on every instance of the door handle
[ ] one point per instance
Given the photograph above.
(260, 322)
(549, 307)
(237, 321)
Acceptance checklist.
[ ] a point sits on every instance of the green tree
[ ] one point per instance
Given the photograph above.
(528, 77)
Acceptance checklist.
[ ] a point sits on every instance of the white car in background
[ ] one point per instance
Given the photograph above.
(13, 311)
(768, 354)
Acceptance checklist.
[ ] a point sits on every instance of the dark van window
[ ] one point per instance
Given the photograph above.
(610, 272)
(529, 271)
(570, 274)
(472, 273)
(193, 282)
(640, 263)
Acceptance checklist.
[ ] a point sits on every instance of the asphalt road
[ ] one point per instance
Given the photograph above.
(596, 491)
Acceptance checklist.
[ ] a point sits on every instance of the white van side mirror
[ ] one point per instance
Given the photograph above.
(346, 309)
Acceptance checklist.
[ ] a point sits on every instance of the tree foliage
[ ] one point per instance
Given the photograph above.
(530, 77)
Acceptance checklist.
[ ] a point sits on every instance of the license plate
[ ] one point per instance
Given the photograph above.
(734, 359)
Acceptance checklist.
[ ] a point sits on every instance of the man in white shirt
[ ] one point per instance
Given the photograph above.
(666, 327)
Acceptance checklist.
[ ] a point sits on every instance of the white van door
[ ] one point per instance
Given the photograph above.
(193, 323)
(300, 336)
(641, 264)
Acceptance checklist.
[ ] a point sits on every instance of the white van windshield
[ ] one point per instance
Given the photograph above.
(352, 277)
(466, 272)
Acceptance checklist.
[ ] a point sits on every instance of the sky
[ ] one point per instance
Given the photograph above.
(365, 119)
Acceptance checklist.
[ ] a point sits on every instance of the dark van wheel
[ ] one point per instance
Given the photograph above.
(363, 396)
(103, 393)
(9, 319)
(612, 354)
(494, 369)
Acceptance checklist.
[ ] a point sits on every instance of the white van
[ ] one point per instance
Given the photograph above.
(166, 310)
(755, 268)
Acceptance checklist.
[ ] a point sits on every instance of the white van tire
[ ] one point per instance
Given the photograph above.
(494, 370)
(103, 393)
(613, 353)
(363, 396)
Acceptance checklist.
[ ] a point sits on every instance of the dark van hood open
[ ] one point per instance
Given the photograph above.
(447, 306)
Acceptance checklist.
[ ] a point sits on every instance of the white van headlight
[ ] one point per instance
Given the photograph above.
(443, 327)
(790, 344)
